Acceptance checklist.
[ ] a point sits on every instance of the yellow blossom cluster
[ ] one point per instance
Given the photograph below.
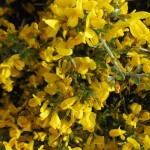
(76, 78)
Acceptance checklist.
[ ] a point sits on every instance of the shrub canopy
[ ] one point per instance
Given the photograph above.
(77, 77)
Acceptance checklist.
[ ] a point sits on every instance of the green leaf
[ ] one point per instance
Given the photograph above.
(119, 77)
(136, 80)
(138, 69)
(116, 11)
(114, 69)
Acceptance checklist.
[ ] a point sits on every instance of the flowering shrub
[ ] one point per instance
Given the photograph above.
(77, 78)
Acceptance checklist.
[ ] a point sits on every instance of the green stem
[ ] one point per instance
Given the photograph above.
(114, 60)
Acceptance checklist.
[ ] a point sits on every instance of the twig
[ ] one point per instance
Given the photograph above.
(137, 75)
(73, 62)
(111, 56)
(144, 49)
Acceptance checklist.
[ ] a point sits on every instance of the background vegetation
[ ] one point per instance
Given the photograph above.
(74, 75)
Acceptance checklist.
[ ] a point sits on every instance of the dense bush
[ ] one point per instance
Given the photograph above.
(74, 75)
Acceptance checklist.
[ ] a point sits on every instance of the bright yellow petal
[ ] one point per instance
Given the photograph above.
(135, 144)
(54, 23)
(124, 8)
(66, 3)
(139, 15)
(138, 29)
(50, 77)
(67, 103)
(44, 114)
(89, 5)
(97, 23)
(146, 67)
(89, 33)
(64, 51)
(55, 121)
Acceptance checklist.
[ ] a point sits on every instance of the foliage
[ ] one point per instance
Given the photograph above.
(77, 77)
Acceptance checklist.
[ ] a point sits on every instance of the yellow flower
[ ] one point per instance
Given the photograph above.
(79, 9)
(13, 142)
(1, 11)
(72, 16)
(134, 143)
(45, 113)
(77, 110)
(53, 23)
(55, 121)
(146, 143)
(88, 121)
(135, 61)
(47, 54)
(131, 119)
(124, 8)
(15, 132)
(146, 67)
(10, 28)
(102, 90)
(62, 68)
(94, 102)
(15, 73)
(65, 87)
(3, 36)
(35, 101)
(16, 62)
(5, 72)
(47, 31)
(7, 146)
(127, 146)
(30, 145)
(111, 145)
(99, 142)
(21, 145)
(91, 37)
(95, 19)
(117, 132)
(67, 103)
(139, 30)
(134, 16)
(51, 88)
(147, 130)
(52, 140)
(24, 123)
(50, 77)
(29, 33)
(40, 136)
(75, 148)
(65, 127)
(8, 85)
(61, 47)
(136, 108)
(64, 4)
(13, 109)
(145, 116)
(2, 123)
(83, 64)
(116, 31)
(58, 11)
(44, 106)
(78, 39)
(41, 147)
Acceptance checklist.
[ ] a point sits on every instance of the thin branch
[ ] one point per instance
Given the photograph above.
(144, 49)
(114, 60)
(137, 75)
(73, 62)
